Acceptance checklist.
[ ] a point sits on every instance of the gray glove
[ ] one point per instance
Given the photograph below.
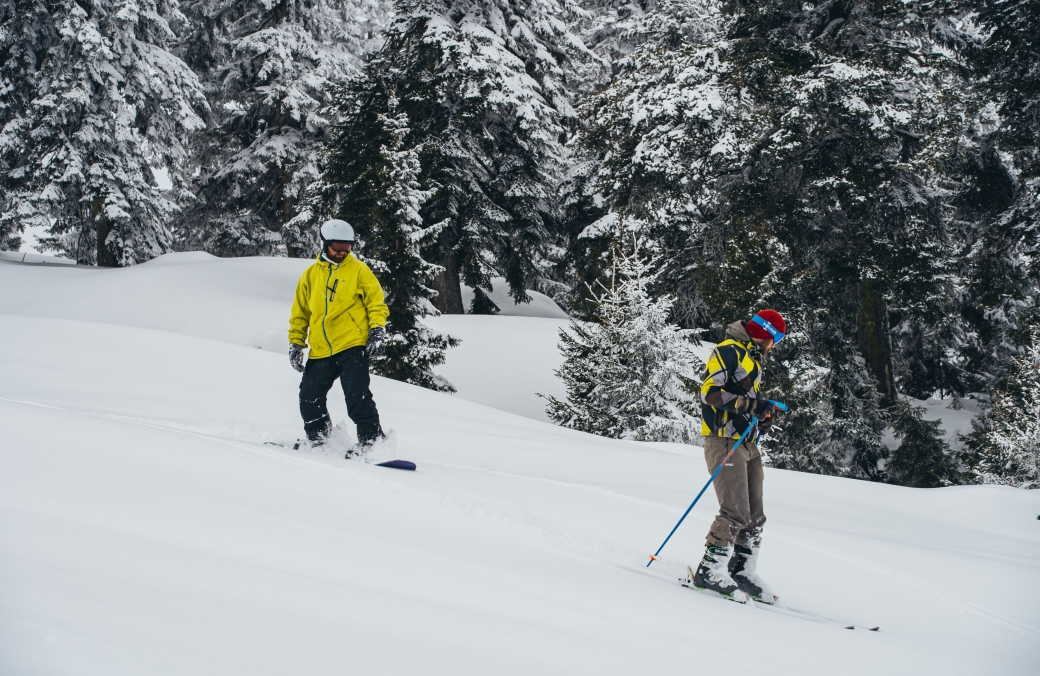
(296, 356)
(376, 341)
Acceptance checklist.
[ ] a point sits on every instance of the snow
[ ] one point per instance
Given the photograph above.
(146, 528)
(29, 255)
(31, 242)
(540, 305)
(162, 178)
(503, 362)
(956, 418)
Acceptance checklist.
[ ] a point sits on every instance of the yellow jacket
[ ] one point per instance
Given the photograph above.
(734, 372)
(336, 305)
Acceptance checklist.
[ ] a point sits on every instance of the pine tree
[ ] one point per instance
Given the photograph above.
(91, 103)
(653, 130)
(394, 235)
(835, 422)
(1004, 445)
(798, 155)
(1003, 284)
(923, 459)
(268, 67)
(633, 375)
(483, 86)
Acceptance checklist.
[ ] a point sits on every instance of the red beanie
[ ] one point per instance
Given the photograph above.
(773, 317)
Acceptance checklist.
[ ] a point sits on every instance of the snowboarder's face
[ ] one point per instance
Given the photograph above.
(337, 251)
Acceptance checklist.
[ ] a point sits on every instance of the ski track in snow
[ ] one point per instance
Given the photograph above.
(910, 582)
(545, 531)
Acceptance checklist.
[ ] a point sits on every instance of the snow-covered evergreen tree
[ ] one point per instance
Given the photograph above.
(654, 129)
(268, 67)
(634, 375)
(835, 422)
(923, 458)
(91, 102)
(797, 154)
(381, 195)
(1003, 284)
(483, 86)
(1004, 445)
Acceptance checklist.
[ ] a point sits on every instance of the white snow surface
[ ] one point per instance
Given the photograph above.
(504, 362)
(146, 528)
(540, 305)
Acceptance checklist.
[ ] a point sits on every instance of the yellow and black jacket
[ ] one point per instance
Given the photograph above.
(335, 306)
(734, 373)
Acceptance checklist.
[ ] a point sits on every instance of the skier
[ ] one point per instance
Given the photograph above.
(730, 401)
(339, 310)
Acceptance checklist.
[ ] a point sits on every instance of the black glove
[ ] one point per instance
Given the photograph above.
(296, 356)
(765, 425)
(761, 409)
(376, 341)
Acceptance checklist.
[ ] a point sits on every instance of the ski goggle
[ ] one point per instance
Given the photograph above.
(770, 329)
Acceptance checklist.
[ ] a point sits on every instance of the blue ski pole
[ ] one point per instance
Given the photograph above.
(653, 557)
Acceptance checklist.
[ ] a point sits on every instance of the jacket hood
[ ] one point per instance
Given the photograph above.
(736, 331)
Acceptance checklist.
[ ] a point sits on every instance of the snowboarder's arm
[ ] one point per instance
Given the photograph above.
(372, 296)
(300, 320)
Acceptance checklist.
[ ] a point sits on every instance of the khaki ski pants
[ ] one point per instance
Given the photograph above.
(739, 490)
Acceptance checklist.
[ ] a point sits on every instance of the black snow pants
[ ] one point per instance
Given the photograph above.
(351, 367)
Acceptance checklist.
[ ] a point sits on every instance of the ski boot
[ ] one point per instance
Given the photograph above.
(713, 574)
(742, 567)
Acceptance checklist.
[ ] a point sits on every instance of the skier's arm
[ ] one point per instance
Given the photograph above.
(372, 297)
(300, 320)
(724, 369)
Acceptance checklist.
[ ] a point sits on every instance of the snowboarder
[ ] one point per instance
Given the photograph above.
(730, 401)
(340, 313)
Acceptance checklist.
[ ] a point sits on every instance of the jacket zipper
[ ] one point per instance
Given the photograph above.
(327, 280)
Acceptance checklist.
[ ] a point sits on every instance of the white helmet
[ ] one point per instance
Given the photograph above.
(337, 231)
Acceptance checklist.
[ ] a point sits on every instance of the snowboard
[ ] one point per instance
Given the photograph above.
(392, 464)
(398, 464)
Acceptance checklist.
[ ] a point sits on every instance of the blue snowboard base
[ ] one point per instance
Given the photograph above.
(398, 464)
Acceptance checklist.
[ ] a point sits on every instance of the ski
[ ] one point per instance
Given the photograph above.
(783, 609)
(777, 607)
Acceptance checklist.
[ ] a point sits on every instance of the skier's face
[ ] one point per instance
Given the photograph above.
(764, 345)
(337, 251)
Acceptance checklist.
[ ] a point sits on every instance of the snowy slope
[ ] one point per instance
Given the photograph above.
(145, 527)
(246, 301)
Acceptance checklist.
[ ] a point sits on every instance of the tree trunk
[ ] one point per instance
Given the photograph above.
(288, 206)
(105, 256)
(874, 341)
(448, 288)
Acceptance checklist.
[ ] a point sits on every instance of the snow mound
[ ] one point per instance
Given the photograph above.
(540, 305)
(181, 258)
(503, 361)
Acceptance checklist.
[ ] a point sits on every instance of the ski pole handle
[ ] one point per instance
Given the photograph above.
(779, 405)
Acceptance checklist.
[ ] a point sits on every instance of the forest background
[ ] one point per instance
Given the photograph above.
(869, 169)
